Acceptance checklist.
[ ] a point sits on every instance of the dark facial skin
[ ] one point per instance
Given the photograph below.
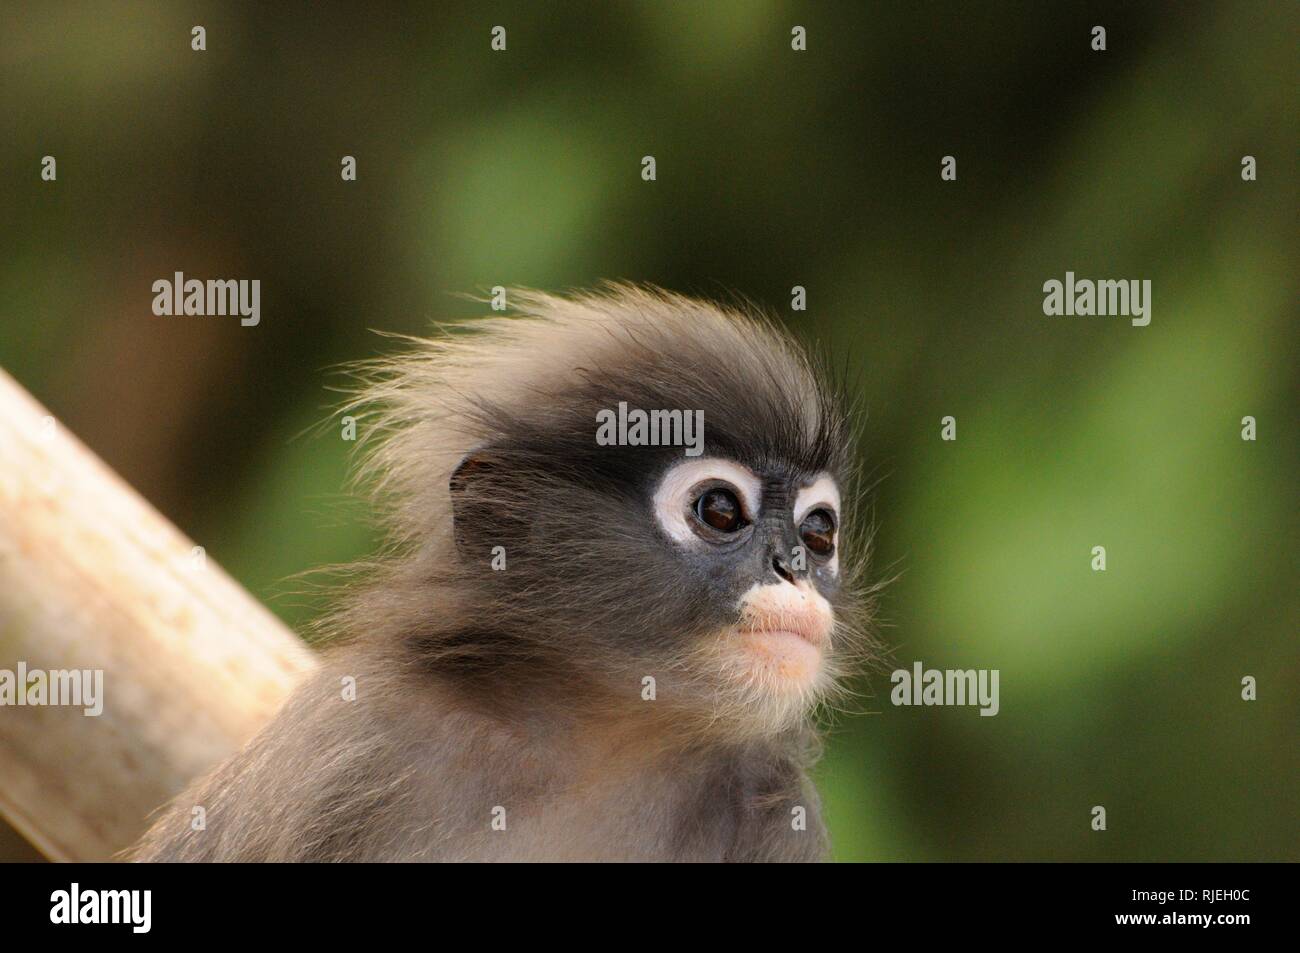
(743, 549)
(592, 518)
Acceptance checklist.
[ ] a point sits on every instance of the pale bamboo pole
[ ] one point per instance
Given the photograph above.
(92, 577)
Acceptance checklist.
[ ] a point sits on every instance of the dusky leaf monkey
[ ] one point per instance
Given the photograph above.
(570, 650)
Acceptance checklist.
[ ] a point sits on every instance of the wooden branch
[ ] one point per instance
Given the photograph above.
(93, 578)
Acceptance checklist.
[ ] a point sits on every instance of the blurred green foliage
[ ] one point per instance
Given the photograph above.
(775, 168)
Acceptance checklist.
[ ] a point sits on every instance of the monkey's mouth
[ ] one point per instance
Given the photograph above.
(810, 627)
(784, 632)
(811, 630)
(782, 635)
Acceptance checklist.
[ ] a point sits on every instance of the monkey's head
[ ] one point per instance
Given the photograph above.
(628, 496)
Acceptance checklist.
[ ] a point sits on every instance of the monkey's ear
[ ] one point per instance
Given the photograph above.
(472, 510)
(476, 462)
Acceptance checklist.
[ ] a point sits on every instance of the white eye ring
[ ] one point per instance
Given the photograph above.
(822, 493)
(672, 498)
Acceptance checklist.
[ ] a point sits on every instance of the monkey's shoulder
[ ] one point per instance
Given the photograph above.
(352, 769)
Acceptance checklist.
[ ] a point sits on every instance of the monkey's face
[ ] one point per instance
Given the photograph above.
(759, 556)
(601, 566)
(718, 579)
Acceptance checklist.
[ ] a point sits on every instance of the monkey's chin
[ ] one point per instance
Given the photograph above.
(781, 660)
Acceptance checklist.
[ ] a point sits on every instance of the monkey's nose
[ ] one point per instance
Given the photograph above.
(782, 568)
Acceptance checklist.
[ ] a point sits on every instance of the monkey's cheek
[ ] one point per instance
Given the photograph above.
(781, 660)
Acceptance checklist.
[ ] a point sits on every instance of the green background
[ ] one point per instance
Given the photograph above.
(775, 168)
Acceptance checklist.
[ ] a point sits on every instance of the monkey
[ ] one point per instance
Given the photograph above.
(570, 649)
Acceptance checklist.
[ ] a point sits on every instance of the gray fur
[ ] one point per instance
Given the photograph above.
(521, 689)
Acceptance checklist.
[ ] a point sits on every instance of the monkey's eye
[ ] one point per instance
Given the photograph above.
(818, 532)
(719, 509)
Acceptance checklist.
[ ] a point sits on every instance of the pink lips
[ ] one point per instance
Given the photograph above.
(789, 625)
(811, 629)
